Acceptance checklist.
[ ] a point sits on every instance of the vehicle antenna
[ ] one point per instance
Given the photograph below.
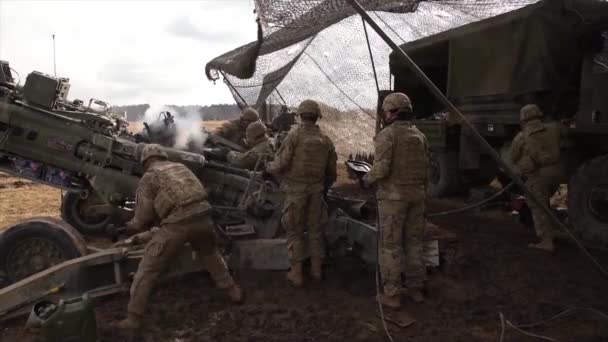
(54, 59)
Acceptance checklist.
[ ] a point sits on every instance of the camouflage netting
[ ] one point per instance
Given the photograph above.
(318, 49)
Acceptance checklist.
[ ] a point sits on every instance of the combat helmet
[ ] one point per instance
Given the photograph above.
(249, 114)
(397, 101)
(152, 150)
(254, 132)
(530, 112)
(309, 109)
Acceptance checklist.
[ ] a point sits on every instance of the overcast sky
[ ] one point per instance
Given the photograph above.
(127, 52)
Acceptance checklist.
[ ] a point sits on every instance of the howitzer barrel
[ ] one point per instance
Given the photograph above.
(229, 169)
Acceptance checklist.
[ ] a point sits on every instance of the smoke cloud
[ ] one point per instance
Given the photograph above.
(189, 131)
(188, 126)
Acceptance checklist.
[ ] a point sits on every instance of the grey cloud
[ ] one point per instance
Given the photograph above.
(130, 77)
(184, 27)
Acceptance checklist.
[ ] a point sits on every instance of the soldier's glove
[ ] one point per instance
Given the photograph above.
(137, 239)
(114, 231)
(141, 238)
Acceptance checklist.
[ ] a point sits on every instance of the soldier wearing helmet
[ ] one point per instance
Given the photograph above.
(400, 172)
(235, 130)
(306, 162)
(172, 198)
(259, 152)
(535, 150)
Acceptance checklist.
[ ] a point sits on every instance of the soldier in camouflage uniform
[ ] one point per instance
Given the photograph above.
(260, 148)
(535, 151)
(171, 196)
(400, 172)
(306, 162)
(235, 130)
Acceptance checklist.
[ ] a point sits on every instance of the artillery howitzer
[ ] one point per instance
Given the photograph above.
(81, 153)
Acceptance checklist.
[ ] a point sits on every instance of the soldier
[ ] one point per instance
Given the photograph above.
(306, 161)
(234, 130)
(260, 146)
(535, 151)
(170, 194)
(400, 172)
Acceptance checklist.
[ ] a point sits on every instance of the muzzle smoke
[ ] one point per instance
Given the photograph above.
(186, 129)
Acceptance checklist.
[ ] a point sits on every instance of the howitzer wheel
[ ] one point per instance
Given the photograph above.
(74, 212)
(36, 244)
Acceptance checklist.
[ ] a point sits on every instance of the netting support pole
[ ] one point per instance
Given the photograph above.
(484, 144)
(371, 58)
(227, 81)
(280, 96)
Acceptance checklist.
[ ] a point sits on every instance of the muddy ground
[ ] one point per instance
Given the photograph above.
(488, 270)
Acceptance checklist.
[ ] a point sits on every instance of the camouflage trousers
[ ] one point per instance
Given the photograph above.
(165, 246)
(543, 185)
(401, 236)
(302, 211)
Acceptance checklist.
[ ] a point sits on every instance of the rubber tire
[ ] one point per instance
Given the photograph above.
(448, 182)
(69, 242)
(70, 214)
(584, 222)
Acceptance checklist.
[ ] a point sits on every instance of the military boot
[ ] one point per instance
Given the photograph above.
(129, 326)
(295, 275)
(545, 244)
(316, 269)
(235, 294)
(390, 301)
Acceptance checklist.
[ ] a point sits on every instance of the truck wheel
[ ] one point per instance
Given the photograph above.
(74, 212)
(36, 244)
(588, 200)
(444, 178)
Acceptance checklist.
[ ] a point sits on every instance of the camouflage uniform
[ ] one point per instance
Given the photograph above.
(169, 194)
(306, 162)
(400, 171)
(235, 130)
(261, 148)
(535, 150)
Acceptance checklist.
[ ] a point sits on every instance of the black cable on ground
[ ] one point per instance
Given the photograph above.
(472, 206)
(519, 328)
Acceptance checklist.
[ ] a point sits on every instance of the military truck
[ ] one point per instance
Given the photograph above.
(553, 53)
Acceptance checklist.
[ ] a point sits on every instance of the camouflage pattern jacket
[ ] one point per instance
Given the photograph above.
(167, 193)
(306, 160)
(536, 146)
(400, 163)
(247, 160)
